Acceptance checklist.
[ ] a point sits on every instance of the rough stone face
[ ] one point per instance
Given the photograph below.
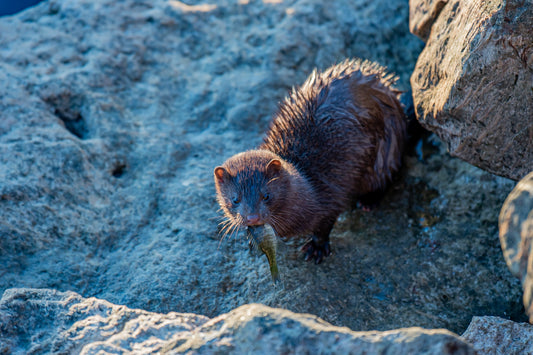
(113, 115)
(473, 83)
(494, 335)
(47, 321)
(422, 15)
(516, 235)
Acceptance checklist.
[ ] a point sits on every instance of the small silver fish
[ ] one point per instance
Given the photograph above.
(264, 239)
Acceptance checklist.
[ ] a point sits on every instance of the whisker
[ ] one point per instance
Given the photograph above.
(230, 228)
(217, 217)
(224, 222)
(226, 228)
(224, 231)
(234, 231)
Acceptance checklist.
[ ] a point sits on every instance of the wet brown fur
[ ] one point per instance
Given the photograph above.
(338, 137)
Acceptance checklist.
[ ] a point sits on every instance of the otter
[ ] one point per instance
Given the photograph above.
(338, 137)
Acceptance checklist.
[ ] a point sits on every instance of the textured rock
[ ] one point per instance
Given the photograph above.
(516, 235)
(472, 84)
(113, 115)
(47, 321)
(422, 15)
(493, 335)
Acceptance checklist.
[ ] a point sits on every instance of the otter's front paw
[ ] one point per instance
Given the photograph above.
(313, 250)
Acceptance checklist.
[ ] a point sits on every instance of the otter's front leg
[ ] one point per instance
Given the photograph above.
(318, 247)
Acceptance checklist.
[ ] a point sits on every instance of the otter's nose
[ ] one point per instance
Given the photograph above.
(252, 219)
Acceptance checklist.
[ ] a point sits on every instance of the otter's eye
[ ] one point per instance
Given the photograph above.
(266, 197)
(236, 200)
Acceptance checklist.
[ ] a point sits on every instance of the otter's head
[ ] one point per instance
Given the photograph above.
(251, 187)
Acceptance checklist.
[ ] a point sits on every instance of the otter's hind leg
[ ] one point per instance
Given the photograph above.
(370, 200)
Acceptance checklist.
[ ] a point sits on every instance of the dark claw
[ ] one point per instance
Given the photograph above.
(314, 251)
(250, 244)
(366, 207)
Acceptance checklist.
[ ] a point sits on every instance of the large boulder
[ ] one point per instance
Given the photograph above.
(40, 321)
(473, 82)
(516, 236)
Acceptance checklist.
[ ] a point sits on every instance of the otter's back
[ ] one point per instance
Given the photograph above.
(343, 129)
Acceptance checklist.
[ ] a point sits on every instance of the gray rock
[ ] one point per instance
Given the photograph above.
(422, 15)
(516, 235)
(472, 84)
(113, 115)
(494, 335)
(46, 321)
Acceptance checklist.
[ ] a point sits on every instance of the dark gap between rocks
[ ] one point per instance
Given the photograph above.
(66, 106)
(74, 123)
(119, 170)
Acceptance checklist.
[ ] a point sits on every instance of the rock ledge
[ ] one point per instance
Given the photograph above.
(44, 321)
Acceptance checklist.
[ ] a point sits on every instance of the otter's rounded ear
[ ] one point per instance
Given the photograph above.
(221, 174)
(273, 168)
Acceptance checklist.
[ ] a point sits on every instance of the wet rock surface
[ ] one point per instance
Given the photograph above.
(114, 114)
(516, 235)
(40, 321)
(494, 335)
(472, 84)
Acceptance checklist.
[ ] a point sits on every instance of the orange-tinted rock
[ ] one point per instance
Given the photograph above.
(473, 84)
